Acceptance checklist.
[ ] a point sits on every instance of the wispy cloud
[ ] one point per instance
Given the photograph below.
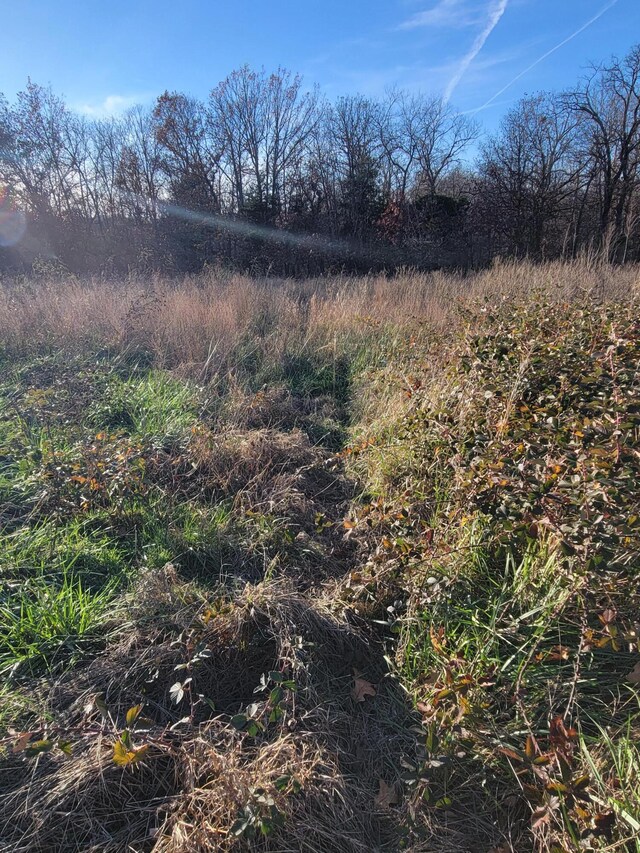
(112, 105)
(373, 78)
(447, 13)
(496, 11)
(547, 54)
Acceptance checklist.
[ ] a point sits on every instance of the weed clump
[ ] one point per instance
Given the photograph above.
(508, 531)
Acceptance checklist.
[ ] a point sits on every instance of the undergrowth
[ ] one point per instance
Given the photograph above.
(351, 576)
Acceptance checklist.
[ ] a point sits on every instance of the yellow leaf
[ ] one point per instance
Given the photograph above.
(123, 756)
(386, 796)
(133, 714)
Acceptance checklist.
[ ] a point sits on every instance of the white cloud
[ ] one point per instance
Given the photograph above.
(112, 105)
(453, 14)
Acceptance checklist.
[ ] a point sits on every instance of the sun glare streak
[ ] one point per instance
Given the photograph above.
(13, 222)
(312, 242)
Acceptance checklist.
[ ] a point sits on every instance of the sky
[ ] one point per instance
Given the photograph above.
(482, 55)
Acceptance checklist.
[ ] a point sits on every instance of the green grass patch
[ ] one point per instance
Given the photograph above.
(46, 624)
(155, 407)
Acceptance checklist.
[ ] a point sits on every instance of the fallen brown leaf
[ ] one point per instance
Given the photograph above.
(425, 709)
(362, 688)
(386, 796)
(22, 741)
(634, 675)
(540, 817)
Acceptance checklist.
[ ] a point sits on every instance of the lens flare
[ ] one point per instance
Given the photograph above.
(310, 242)
(13, 223)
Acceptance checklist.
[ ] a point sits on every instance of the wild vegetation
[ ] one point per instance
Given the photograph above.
(345, 564)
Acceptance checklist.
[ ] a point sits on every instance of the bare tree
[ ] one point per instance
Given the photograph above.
(190, 154)
(608, 103)
(165, 184)
(423, 139)
(263, 122)
(526, 175)
(353, 131)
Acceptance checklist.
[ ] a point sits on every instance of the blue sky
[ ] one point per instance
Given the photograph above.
(104, 56)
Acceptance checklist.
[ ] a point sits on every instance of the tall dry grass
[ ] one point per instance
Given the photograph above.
(200, 320)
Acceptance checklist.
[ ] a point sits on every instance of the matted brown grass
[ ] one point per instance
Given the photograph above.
(199, 772)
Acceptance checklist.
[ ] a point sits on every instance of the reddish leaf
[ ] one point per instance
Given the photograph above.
(604, 823)
(560, 737)
(540, 817)
(22, 741)
(608, 616)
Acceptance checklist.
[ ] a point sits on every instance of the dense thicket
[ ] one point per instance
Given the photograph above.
(266, 174)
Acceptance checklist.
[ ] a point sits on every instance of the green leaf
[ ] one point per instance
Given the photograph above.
(276, 695)
(276, 714)
(38, 746)
(239, 721)
(282, 782)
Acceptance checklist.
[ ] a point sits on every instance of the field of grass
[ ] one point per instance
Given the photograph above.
(334, 565)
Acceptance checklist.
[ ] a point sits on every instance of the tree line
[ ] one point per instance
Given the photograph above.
(267, 175)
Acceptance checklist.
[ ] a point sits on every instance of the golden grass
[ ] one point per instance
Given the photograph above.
(198, 321)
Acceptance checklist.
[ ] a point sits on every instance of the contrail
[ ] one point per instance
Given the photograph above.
(496, 12)
(548, 53)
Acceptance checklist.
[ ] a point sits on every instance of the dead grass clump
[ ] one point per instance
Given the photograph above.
(312, 771)
(296, 784)
(159, 650)
(309, 775)
(84, 802)
(197, 324)
(266, 628)
(277, 408)
(268, 471)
